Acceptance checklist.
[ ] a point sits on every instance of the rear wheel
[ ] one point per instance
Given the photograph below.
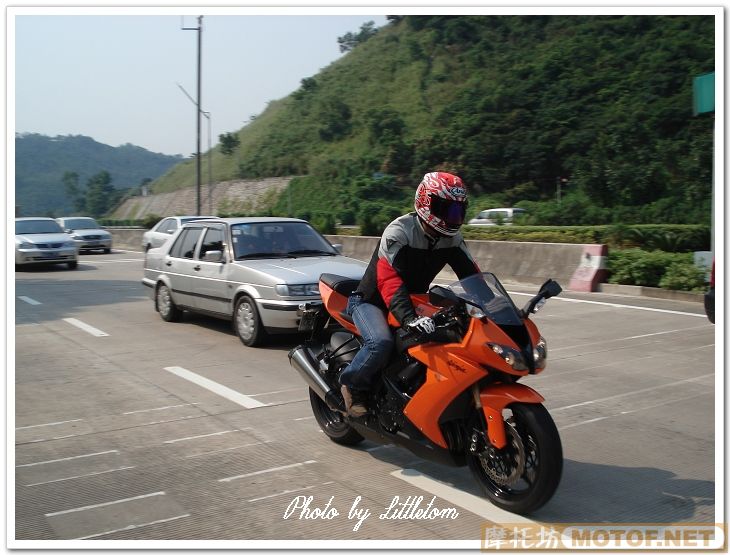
(522, 476)
(333, 422)
(167, 308)
(73, 265)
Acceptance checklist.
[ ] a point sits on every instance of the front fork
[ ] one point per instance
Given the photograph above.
(492, 400)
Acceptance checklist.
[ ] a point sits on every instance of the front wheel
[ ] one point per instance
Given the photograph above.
(247, 323)
(522, 476)
(332, 422)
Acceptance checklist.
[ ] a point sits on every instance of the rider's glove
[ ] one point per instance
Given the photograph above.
(424, 324)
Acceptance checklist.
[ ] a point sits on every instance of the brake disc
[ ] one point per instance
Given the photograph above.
(505, 466)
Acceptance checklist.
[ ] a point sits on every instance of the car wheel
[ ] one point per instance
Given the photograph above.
(247, 323)
(167, 308)
(107, 251)
(73, 265)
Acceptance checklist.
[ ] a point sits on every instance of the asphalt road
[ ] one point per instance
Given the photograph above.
(131, 428)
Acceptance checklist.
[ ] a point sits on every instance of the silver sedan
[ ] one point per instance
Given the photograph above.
(253, 271)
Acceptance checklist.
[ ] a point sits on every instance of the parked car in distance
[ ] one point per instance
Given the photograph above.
(42, 241)
(164, 229)
(497, 216)
(252, 271)
(87, 233)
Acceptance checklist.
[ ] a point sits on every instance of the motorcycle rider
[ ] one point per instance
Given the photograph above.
(413, 249)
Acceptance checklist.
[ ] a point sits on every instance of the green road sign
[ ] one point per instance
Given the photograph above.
(703, 97)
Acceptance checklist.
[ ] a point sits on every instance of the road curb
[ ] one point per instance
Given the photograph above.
(652, 292)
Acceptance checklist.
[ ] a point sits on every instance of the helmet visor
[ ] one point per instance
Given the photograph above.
(452, 212)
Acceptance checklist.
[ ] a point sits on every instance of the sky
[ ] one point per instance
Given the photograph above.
(116, 77)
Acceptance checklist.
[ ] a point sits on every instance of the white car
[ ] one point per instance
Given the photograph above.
(252, 271)
(42, 241)
(88, 234)
(164, 229)
(497, 216)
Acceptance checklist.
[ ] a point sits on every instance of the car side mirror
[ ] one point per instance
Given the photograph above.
(213, 256)
(337, 247)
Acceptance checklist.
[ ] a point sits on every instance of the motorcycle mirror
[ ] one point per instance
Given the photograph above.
(442, 297)
(550, 288)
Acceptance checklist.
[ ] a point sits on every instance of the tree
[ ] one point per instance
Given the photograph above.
(229, 143)
(100, 194)
(71, 183)
(350, 40)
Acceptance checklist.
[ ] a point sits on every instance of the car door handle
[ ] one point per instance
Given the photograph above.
(168, 263)
(196, 268)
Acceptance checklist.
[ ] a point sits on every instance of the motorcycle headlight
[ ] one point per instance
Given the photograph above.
(540, 353)
(511, 356)
(306, 290)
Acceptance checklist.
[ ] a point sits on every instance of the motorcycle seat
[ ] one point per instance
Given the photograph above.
(340, 284)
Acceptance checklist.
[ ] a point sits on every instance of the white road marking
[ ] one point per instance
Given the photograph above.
(86, 327)
(275, 469)
(561, 428)
(303, 418)
(617, 305)
(49, 424)
(29, 300)
(116, 261)
(132, 527)
(477, 505)
(87, 507)
(612, 305)
(634, 392)
(198, 437)
(280, 493)
(215, 387)
(46, 439)
(627, 338)
(165, 421)
(80, 476)
(160, 408)
(67, 458)
(227, 449)
(279, 391)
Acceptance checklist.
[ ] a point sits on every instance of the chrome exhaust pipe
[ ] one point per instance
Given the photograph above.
(303, 362)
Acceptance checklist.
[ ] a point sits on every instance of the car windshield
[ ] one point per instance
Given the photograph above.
(487, 293)
(278, 240)
(26, 227)
(80, 223)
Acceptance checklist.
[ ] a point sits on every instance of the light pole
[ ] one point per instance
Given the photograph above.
(210, 153)
(199, 29)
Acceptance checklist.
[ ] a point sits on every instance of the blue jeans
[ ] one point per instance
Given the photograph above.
(377, 345)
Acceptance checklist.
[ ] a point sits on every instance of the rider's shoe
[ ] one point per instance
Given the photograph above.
(353, 405)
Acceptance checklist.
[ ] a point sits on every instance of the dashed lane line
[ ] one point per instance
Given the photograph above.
(86, 327)
(215, 387)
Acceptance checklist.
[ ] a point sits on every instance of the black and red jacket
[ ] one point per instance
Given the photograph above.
(406, 262)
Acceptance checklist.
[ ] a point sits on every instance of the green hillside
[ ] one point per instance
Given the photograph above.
(41, 162)
(512, 104)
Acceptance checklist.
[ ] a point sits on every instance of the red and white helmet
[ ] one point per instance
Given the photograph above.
(441, 202)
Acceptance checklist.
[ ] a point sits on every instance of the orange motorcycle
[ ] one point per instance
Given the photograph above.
(452, 396)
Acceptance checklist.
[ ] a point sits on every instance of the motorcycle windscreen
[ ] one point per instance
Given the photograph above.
(486, 293)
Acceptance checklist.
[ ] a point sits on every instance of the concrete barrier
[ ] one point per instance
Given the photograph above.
(512, 262)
